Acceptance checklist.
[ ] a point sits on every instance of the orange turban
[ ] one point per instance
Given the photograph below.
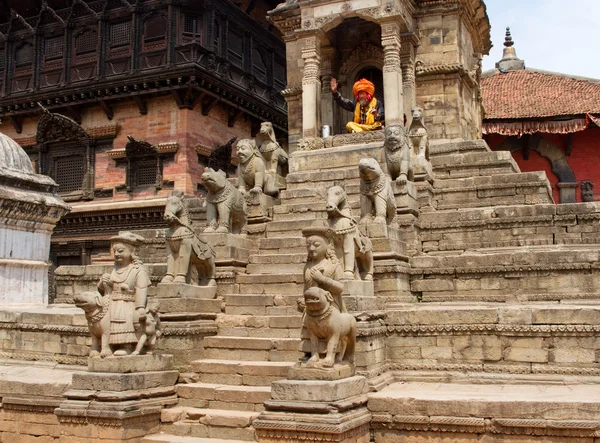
(363, 85)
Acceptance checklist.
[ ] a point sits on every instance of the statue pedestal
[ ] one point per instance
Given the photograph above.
(359, 295)
(387, 241)
(260, 208)
(122, 403)
(230, 249)
(183, 298)
(422, 169)
(406, 198)
(331, 410)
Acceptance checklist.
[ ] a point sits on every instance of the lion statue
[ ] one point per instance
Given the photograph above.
(97, 313)
(397, 154)
(419, 140)
(253, 177)
(225, 205)
(376, 195)
(276, 159)
(323, 321)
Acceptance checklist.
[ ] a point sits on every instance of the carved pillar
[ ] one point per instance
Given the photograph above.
(392, 73)
(326, 95)
(409, 85)
(311, 85)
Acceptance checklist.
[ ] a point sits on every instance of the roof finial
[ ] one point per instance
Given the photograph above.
(508, 41)
(510, 61)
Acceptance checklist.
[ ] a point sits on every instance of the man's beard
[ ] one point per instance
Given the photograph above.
(364, 102)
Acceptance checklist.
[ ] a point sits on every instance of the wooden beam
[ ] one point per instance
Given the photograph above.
(234, 115)
(141, 104)
(254, 127)
(107, 109)
(208, 104)
(16, 122)
(178, 99)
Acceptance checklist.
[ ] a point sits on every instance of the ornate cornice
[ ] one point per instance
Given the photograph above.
(494, 328)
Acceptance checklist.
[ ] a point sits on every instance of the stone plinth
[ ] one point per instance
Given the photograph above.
(128, 402)
(359, 295)
(232, 249)
(260, 208)
(177, 298)
(29, 209)
(406, 198)
(316, 410)
(337, 157)
(337, 372)
(387, 241)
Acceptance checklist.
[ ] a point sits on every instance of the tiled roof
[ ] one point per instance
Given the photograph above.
(530, 93)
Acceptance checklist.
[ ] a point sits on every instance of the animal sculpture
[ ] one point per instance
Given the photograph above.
(377, 197)
(225, 205)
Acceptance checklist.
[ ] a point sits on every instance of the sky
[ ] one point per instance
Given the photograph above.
(551, 35)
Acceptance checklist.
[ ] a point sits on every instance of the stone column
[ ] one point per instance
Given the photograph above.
(409, 86)
(326, 95)
(311, 85)
(392, 73)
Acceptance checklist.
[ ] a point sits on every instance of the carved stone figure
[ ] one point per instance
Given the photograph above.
(324, 321)
(275, 157)
(322, 267)
(225, 205)
(355, 248)
(188, 253)
(97, 313)
(417, 133)
(377, 197)
(253, 177)
(126, 289)
(150, 330)
(397, 153)
(587, 191)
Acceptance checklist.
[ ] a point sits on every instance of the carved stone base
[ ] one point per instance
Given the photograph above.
(422, 169)
(130, 402)
(387, 241)
(230, 249)
(183, 298)
(406, 198)
(337, 372)
(359, 296)
(131, 363)
(260, 208)
(315, 411)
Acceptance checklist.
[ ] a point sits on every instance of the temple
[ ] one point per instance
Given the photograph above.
(402, 285)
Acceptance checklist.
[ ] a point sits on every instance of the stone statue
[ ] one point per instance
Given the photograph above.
(253, 177)
(324, 321)
(377, 197)
(350, 243)
(97, 313)
(418, 134)
(397, 153)
(150, 330)
(225, 205)
(275, 157)
(188, 253)
(322, 267)
(587, 191)
(124, 297)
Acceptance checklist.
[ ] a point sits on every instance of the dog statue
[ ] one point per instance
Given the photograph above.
(376, 195)
(97, 313)
(225, 205)
(323, 321)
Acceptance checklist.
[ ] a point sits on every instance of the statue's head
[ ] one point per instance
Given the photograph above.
(369, 169)
(317, 299)
(153, 307)
(335, 196)
(318, 242)
(125, 246)
(174, 206)
(417, 113)
(213, 180)
(266, 128)
(394, 133)
(245, 150)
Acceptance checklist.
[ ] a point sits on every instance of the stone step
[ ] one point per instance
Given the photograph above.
(222, 424)
(459, 147)
(252, 348)
(529, 188)
(170, 438)
(273, 326)
(473, 164)
(222, 396)
(260, 304)
(271, 283)
(285, 245)
(268, 259)
(473, 408)
(236, 372)
(275, 268)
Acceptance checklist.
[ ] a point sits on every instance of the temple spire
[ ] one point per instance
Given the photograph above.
(510, 61)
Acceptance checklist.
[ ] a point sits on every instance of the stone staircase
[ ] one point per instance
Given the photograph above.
(504, 278)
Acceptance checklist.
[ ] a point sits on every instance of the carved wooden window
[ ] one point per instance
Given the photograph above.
(259, 67)
(54, 47)
(217, 36)
(279, 75)
(192, 28)
(235, 48)
(145, 173)
(120, 34)
(155, 32)
(68, 172)
(24, 55)
(86, 43)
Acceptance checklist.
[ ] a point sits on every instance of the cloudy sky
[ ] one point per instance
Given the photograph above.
(553, 35)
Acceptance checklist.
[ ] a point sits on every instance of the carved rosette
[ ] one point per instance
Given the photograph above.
(390, 40)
